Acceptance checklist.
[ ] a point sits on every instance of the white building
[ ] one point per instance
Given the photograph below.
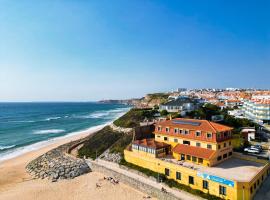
(257, 110)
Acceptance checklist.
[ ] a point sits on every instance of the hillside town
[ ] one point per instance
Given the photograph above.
(202, 139)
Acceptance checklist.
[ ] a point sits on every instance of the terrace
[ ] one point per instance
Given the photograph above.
(231, 169)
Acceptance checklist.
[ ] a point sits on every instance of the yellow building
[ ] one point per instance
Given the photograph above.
(177, 154)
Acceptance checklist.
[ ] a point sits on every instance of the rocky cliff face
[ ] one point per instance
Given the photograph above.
(149, 101)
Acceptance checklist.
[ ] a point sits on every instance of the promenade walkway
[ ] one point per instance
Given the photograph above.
(115, 167)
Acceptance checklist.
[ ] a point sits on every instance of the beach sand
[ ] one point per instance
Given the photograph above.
(15, 183)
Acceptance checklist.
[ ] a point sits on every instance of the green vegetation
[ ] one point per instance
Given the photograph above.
(170, 182)
(161, 96)
(205, 112)
(164, 113)
(99, 142)
(121, 144)
(133, 117)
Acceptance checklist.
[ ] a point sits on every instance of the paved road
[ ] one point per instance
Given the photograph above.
(115, 167)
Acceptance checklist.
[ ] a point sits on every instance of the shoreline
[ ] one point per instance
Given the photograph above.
(42, 144)
(16, 182)
(13, 154)
(13, 171)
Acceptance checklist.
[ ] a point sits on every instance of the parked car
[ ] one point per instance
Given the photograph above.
(252, 150)
(259, 147)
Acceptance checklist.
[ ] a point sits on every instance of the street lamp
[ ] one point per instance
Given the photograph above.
(158, 173)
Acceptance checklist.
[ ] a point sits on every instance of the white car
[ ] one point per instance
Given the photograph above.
(252, 150)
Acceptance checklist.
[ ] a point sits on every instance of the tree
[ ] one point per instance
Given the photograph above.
(164, 113)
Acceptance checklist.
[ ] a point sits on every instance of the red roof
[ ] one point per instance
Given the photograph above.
(193, 151)
(202, 125)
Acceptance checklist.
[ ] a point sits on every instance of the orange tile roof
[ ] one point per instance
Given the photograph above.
(204, 125)
(193, 151)
(150, 143)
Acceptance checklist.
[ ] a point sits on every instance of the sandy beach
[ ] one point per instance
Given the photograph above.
(15, 182)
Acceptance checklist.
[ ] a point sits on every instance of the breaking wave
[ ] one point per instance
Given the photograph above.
(49, 131)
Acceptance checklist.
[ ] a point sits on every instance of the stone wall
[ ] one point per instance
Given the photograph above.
(120, 129)
(145, 131)
(150, 190)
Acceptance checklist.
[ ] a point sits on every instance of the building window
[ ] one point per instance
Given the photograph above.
(230, 153)
(159, 128)
(167, 172)
(200, 160)
(198, 144)
(176, 130)
(209, 146)
(178, 175)
(186, 142)
(230, 143)
(224, 144)
(194, 159)
(165, 138)
(205, 185)
(175, 140)
(167, 130)
(209, 135)
(219, 158)
(222, 190)
(219, 146)
(191, 180)
(188, 157)
(186, 132)
(225, 155)
(198, 133)
(158, 136)
(180, 131)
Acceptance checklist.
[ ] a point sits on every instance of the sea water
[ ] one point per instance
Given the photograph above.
(28, 126)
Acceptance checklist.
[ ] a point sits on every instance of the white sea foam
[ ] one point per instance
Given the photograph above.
(52, 118)
(6, 147)
(49, 131)
(104, 114)
(22, 121)
(22, 150)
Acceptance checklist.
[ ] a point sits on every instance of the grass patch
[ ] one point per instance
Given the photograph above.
(99, 142)
(170, 182)
(133, 117)
(121, 144)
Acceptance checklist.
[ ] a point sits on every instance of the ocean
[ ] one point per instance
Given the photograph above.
(25, 127)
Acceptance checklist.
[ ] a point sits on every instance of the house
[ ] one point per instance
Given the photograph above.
(180, 105)
(248, 133)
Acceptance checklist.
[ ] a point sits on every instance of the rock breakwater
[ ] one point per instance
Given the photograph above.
(57, 164)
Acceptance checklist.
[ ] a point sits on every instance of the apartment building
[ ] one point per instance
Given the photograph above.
(257, 109)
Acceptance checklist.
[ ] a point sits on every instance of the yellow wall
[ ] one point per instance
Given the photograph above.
(213, 161)
(157, 165)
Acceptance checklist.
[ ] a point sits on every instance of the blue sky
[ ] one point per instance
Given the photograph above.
(89, 50)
